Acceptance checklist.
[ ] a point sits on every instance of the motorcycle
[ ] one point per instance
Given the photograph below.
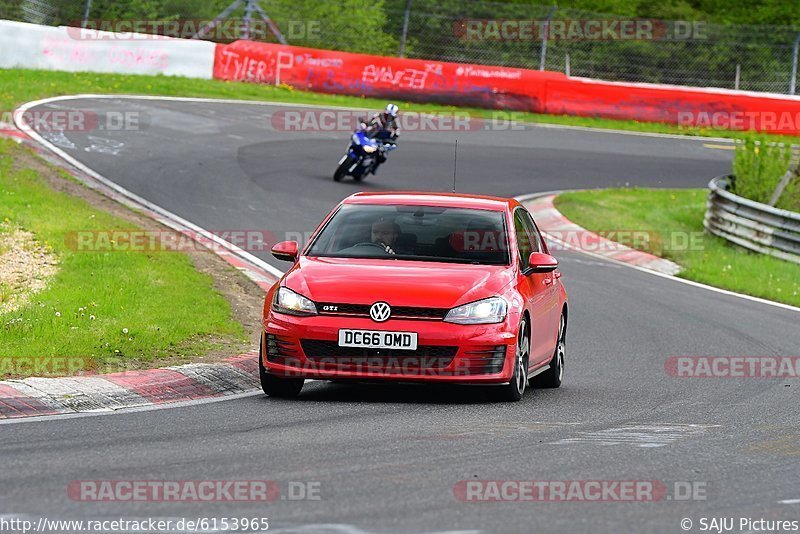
(362, 155)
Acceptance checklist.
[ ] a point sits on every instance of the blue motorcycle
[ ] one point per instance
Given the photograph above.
(363, 155)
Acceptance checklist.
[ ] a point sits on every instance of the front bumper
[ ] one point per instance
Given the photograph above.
(307, 347)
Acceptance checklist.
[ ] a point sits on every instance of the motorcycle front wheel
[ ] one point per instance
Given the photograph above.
(341, 170)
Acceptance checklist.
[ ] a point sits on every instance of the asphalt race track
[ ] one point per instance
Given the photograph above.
(387, 458)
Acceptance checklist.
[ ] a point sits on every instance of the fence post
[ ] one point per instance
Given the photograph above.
(793, 82)
(406, 16)
(543, 52)
(86, 13)
(248, 16)
(791, 173)
(738, 75)
(566, 64)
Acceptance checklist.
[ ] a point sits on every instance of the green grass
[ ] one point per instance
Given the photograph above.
(168, 308)
(759, 166)
(18, 86)
(671, 218)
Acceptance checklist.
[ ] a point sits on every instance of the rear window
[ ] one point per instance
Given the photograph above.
(423, 233)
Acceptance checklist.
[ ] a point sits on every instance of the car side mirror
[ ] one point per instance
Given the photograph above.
(540, 262)
(286, 250)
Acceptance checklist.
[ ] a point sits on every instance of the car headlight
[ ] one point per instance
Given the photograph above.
(491, 310)
(369, 149)
(287, 301)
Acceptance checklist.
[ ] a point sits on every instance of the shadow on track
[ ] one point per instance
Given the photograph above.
(360, 392)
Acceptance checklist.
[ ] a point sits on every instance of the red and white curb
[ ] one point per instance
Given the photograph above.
(131, 389)
(566, 233)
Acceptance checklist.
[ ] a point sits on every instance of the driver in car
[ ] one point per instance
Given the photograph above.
(385, 233)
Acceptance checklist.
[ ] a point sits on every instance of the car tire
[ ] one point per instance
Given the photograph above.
(515, 388)
(341, 170)
(275, 386)
(553, 376)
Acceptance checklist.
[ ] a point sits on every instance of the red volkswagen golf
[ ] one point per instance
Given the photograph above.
(417, 287)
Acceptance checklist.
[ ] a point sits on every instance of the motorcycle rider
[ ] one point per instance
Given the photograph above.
(383, 127)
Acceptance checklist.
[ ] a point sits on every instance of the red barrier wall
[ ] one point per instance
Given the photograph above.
(718, 108)
(328, 71)
(504, 88)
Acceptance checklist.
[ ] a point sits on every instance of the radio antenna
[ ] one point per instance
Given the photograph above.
(455, 165)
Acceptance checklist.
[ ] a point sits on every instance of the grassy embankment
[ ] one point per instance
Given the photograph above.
(102, 310)
(673, 218)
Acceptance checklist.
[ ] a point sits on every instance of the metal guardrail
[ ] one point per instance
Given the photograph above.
(750, 224)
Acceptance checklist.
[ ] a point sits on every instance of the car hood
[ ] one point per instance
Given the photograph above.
(398, 282)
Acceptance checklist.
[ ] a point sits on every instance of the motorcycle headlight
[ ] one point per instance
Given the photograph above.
(287, 301)
(491, 310)
(369, 149)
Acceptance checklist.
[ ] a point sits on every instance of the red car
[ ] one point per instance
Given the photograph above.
(417, 287)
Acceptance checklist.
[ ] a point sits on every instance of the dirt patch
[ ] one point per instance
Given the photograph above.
(25, 267)
(244, 296)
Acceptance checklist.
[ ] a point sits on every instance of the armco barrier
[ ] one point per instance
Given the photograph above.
(750, 224)
(31, 46)
(503, 88)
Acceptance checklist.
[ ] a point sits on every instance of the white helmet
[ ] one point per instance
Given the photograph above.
(391, 110)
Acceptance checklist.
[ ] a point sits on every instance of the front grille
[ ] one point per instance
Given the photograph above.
(415, 311)
(398, 312)
(426, 356)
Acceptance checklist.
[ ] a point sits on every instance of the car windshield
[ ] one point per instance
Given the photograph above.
(423, 233)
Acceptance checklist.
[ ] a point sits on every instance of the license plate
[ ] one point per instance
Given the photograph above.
(378, 339)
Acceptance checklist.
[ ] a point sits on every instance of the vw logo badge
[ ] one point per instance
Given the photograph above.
(380, 312)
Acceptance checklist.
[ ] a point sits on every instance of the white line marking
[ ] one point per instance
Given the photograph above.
(688, 137)
(790, 501)
(524, 198)
(645, 436)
